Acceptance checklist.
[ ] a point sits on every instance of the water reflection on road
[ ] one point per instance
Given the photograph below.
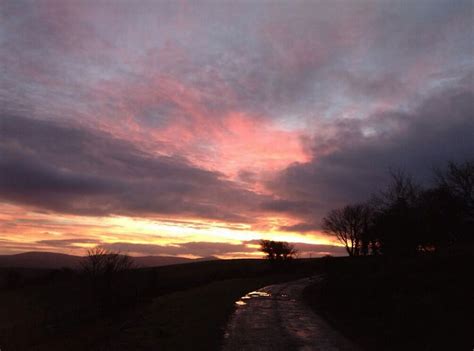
(252, 294)
(275, 318)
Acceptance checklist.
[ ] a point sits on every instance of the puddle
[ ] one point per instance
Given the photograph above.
(258, 294)
(251, 295)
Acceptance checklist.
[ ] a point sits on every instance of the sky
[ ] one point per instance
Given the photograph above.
(196, 128)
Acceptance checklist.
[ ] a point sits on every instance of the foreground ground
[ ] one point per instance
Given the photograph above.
(180, 307)
(423, 303)
(276, 318)
(418, 303)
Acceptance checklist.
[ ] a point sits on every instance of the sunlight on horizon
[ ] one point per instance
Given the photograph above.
(76, 234)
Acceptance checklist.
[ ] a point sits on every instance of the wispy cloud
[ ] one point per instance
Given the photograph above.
(254, 114)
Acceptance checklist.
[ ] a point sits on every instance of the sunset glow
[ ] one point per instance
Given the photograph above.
(198, 128)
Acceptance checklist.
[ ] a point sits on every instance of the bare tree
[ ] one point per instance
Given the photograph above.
(102, 262)
(107, 272)
(397, 221)
(456, 207)
(401, 189)
(459, 180)
(277, 250)
(349, 225)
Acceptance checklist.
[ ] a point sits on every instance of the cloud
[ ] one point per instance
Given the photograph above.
(67, 243)
(300, 227)
(280, 205)
(68, 169)
(352, 160)
(189, 248)
(250, 112)
(245, 248)
(197, 248)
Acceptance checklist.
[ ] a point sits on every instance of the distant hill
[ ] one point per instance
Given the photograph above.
(40, 260)
(56, 260)
(155, 261)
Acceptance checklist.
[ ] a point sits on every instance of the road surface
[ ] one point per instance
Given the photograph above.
(275, 318)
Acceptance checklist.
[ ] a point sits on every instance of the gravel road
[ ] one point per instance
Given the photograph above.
(276, 318)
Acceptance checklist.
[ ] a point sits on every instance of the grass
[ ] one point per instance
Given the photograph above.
(423, 303)
(178, 307)
(192, 319)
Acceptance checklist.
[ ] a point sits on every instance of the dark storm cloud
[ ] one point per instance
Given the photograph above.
(300, 227)
(280, 205)
(25, 182)
(68, 169)
(361, 152)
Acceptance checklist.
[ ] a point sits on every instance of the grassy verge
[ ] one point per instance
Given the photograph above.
(178, 307)
(192, 319)
(424, 303)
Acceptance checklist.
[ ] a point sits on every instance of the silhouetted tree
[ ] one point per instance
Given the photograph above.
(351, 227)
(459, 180)
(406, 219)
(101, 262)
(396, 217)
(106, 271)
(277, 250)
(455, 202)
(401, 189)
(439, 217)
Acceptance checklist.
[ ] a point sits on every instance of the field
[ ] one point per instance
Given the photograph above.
(168, 308)
(422, 303)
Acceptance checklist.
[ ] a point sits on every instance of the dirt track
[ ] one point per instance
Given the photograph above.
(275, 318)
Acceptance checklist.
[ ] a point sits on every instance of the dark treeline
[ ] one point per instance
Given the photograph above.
(278, 250)
(407, 219)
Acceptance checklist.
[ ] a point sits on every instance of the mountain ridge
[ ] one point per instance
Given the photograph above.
(53, 260)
